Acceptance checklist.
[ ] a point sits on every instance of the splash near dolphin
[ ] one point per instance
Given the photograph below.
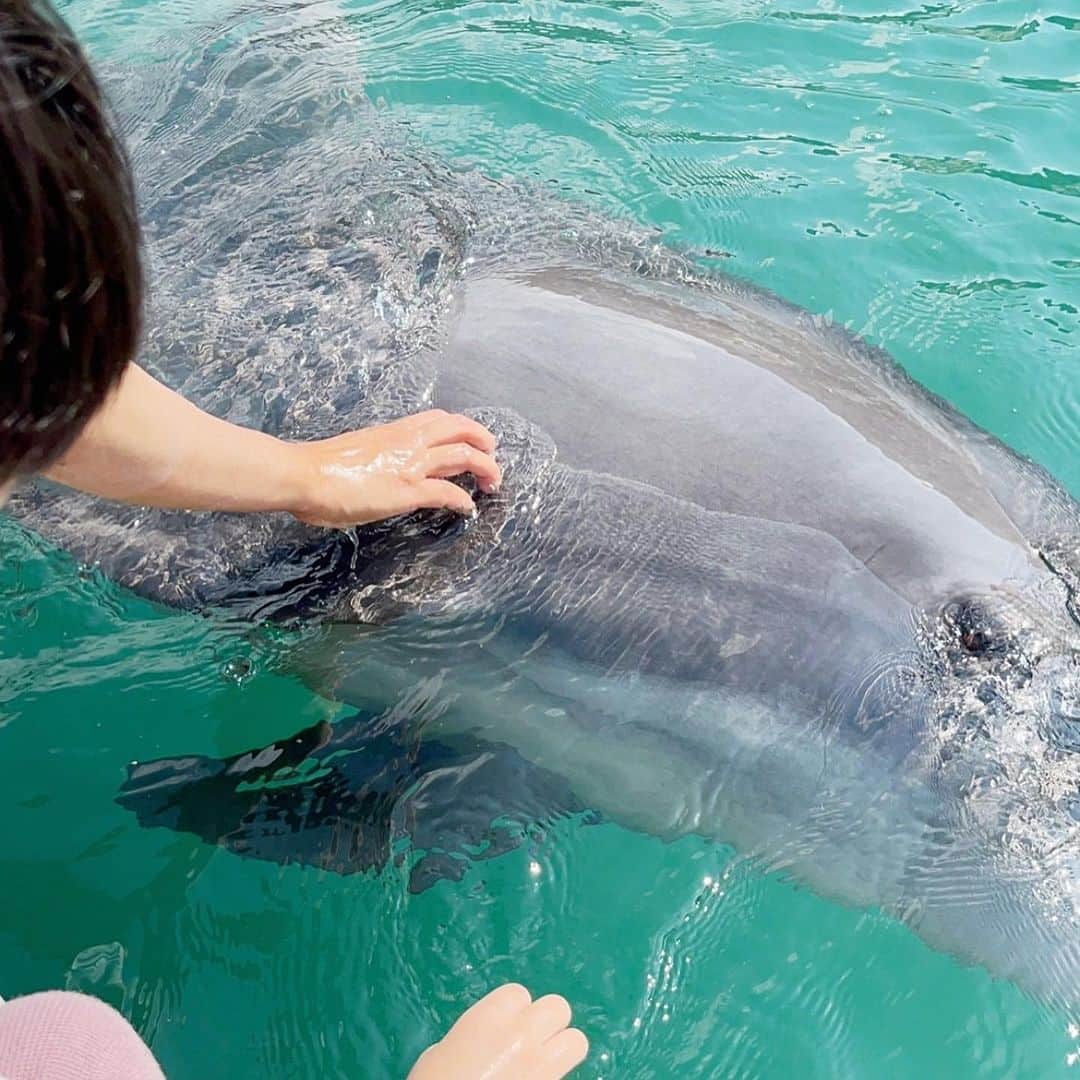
(744, 578)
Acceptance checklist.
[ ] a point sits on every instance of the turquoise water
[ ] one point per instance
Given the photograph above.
(910, 171)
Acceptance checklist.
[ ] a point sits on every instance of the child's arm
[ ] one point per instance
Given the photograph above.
(150, 446)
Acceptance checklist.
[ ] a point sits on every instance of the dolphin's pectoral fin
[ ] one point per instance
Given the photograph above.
(224, 801)
(329, 799)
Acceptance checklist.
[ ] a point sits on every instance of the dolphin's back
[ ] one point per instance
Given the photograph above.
(733, 401)
(317, 274)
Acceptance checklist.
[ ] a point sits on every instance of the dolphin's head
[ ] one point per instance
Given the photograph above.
(1006, 723)
(1007, 668)
(997, 876)
(1012, 656)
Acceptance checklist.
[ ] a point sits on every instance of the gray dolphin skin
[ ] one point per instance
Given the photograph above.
(744, 578)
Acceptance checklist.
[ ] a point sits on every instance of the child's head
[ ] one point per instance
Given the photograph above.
(70, 274)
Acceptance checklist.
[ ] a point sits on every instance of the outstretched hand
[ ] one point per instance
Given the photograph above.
(507, 1036)
(393, 469)
(150, 447)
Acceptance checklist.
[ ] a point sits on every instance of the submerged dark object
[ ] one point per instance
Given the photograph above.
(342, 797)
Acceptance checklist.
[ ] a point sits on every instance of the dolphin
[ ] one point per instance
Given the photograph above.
(744, 579)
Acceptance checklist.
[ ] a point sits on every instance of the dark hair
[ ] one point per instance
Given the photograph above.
(70, 269)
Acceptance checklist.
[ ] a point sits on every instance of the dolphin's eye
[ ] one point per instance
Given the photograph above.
(973, 627)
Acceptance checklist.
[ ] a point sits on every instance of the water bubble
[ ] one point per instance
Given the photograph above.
(237, 669)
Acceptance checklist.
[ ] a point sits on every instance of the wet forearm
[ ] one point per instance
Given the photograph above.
(150, 446)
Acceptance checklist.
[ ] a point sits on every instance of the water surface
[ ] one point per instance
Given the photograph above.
(907, 170)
